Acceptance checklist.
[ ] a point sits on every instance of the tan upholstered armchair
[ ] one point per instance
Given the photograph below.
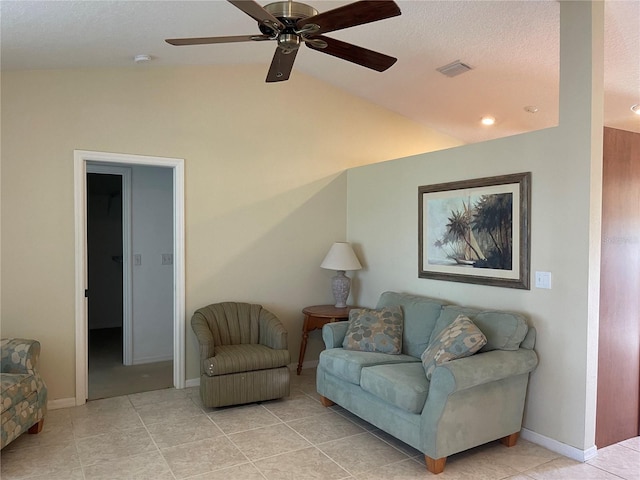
(243, 354)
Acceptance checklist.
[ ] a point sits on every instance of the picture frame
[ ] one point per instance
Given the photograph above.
(476, 231)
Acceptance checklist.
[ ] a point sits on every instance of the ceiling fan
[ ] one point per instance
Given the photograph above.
(292, 23)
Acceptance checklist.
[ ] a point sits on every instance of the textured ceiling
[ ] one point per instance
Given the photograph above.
(513, 47)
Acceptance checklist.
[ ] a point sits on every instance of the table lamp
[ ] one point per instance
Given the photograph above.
(341, 258)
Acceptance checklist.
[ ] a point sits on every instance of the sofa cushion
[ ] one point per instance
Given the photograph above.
(14, 388)
(504, 330)
(420, 316)
(348, 364)
(460, 339)
(375, 330)
(403, 385)
(243, 358)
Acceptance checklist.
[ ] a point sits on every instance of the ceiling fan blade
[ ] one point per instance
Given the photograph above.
(281, 65)
(207, 40)
(352, 53)
(255, 11)
(350, 15)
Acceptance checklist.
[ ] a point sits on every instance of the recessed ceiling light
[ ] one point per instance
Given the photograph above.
(487, 120)
(142, 58)
(636, 108)
(531, 109)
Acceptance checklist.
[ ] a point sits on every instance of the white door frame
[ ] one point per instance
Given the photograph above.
(81, 157)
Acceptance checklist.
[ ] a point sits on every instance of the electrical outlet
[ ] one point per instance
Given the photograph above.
(137, 259)
(167, 259)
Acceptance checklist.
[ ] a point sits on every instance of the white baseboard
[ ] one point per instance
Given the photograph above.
(559, 447)
(158, 358)
(192, 382)
(61, 403)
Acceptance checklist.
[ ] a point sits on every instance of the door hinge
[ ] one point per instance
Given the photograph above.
(86, 293)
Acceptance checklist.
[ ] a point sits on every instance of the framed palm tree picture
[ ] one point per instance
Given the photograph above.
(476, 231)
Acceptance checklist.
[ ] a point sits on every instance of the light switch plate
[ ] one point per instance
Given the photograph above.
(543, 280)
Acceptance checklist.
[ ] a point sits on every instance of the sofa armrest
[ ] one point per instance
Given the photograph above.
(272, 332)
(475, 370)
(20, 355)
(333, 333)
(474, 400)
(204, 335)
(529, 340)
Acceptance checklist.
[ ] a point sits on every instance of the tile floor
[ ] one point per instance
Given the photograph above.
(167, 435)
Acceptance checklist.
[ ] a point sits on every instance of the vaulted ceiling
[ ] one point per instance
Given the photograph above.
(512, 48)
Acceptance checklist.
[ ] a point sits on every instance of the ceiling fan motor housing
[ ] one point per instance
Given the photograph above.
(288, 13)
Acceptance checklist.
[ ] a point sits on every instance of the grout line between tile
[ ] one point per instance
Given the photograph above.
(602, 469)
(159, 451)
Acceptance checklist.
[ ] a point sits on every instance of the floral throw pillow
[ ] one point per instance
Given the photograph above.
(375, 330)
(460, 339)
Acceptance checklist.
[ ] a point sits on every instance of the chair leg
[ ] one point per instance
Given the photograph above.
(36, 427)
(510, 440)
(326, 402)
(435, 465)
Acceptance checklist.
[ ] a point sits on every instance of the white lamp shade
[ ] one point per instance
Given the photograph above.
(341, 257)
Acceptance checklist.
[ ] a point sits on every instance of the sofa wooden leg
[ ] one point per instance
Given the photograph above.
(326, 402)
(435, 465)
(36, 427)
(510, 440)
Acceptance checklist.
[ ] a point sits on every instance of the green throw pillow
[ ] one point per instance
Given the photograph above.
(375, 330)
(460, 339)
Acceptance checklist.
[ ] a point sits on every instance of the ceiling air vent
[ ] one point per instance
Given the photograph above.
(454, 68)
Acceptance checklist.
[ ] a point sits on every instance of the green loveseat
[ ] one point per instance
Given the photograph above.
(24, 393)
(468, 402)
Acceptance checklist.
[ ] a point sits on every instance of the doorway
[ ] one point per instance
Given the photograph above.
(92, 335)
(129, 308)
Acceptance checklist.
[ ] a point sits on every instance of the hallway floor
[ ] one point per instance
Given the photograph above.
(108, 377)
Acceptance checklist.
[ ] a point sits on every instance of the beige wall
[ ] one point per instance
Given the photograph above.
(565, 233)
(265, 188)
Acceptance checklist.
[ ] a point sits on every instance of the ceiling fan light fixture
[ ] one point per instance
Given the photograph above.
(288, 41)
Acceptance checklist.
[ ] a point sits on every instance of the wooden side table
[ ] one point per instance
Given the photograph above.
(314, 318)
